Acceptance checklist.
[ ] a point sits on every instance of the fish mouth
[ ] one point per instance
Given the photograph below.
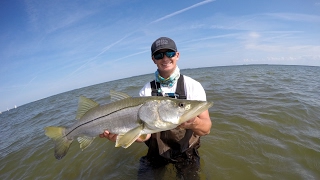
(204, 106)
(195, 111)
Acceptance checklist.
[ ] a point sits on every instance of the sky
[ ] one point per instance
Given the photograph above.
(50, 47)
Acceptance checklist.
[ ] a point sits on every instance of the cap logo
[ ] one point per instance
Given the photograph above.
(162, 42)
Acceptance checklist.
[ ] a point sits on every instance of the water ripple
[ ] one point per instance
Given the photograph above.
(265, 126)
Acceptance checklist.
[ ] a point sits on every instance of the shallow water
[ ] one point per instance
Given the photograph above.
(266, 122)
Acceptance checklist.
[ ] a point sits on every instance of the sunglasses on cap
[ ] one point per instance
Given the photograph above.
(160, 55)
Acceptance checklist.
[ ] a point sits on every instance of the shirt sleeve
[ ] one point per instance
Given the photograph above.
(146, 90)
(194, 90)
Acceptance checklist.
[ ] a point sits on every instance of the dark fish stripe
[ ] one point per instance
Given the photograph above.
(95, 120)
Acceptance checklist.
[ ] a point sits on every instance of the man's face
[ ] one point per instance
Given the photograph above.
(166, 65)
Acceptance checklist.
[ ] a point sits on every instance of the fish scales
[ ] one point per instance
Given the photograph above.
(119, 121)
(128, 117)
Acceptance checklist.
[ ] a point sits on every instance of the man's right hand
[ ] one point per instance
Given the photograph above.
(113, 137)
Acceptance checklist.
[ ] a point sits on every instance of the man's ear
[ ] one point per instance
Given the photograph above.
(178, 55)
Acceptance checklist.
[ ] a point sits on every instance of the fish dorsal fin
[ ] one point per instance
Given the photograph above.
(85, 104)
(116, 96)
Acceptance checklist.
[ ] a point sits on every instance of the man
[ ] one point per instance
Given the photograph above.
(178, 146)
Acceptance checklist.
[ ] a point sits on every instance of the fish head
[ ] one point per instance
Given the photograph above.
(168, 113)
(196, 108)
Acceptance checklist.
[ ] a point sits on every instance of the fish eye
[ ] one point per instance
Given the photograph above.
(181, 104)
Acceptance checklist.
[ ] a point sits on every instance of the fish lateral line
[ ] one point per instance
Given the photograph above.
(96, 119)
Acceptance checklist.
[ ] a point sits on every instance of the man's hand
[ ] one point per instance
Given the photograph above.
(108, 135)
(113, 137)
(190, 124)
(200, 125)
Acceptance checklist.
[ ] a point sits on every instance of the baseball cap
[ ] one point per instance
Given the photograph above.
(163, 43)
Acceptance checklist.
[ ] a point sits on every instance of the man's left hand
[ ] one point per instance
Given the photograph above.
(190, 124)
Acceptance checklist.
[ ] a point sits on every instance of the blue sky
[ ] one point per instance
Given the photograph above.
(49, 47)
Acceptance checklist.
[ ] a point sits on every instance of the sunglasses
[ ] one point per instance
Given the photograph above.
(160, 55)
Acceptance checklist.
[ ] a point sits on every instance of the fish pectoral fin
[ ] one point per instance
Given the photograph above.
(125, 140)
(85, 141)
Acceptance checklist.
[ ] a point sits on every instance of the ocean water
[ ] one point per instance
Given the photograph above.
(265, 125)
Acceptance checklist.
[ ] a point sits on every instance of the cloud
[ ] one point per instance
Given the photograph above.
(295, 17)
(293, 60)
(67, 45)
(95, 57)
(254, 35)
(50, 16)
(182, 10)
(129, 34)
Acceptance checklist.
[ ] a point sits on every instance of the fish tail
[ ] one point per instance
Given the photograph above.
(61, 142)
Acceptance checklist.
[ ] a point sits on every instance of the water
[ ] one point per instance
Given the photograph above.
(265, 125)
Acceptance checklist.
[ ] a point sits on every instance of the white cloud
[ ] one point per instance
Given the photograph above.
(182, 10)
(73, 45)
(50, 16)
(296, 17)
(254, 35)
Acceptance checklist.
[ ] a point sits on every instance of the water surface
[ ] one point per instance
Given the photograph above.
(265, 125)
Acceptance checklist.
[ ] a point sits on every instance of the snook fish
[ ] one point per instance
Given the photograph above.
(129, 117)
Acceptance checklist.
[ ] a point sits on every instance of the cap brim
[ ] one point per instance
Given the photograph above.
(163, 48)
